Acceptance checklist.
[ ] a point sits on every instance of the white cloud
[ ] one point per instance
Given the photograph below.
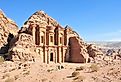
(111, 36)
(116, 33)
(115, 39)
(119, 30)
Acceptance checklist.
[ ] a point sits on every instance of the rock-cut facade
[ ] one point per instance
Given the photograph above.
(53, 42)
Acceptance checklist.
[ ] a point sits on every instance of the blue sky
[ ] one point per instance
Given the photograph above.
(94, 20)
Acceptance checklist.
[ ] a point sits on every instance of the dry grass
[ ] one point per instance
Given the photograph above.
(10, 80)
(44, 80)
(75, 74)
(50, 70)
(16, 77)
(94, 68)
(80, 68)
(1, 60)
(26, 73)
(6, 75)
(12, 69)
(79, 79)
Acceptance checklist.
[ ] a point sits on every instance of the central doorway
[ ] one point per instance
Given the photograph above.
(51, 56)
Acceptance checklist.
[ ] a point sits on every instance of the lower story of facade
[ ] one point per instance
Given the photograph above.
(56, 54)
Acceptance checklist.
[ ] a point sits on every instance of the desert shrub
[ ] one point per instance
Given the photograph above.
(9, 80)
(44, 80)
(79, 78)
(50, 70)
(6, 75)
(1, 59)
(94, 68)
(70, 68)
(16, 77)
(80, 68)
(26, 73)
(75, 74)
(12, 69)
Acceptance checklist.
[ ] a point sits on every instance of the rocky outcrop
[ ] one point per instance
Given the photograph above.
(93, 50)
(78, 52)
(8, 29)
(20, 46)
(23, 48)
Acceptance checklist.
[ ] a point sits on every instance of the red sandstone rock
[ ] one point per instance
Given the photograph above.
(78, 51)
(23, 48)
(93, 50)
(8, 29)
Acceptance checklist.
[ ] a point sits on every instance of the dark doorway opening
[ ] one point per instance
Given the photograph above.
(37, 36)
(51, 56)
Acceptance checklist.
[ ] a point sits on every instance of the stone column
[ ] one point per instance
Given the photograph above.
(45, 55)
(41, 54)
(67, 40)
(45, 38)
(59, 54)
(48, 57)
(33, 32)
(39, 35)
(64, 55)
(63, 40)
(55, 56)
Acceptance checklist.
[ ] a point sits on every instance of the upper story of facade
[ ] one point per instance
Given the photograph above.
(46, 31)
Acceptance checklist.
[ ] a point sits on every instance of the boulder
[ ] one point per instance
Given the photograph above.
(93, 50)
(23, 48)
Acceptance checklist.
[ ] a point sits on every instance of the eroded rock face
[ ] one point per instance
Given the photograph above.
(8, 29)
(78, 51)
(23, 48)
(93, 50)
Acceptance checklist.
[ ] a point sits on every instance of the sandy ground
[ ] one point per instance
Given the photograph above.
(39, 72)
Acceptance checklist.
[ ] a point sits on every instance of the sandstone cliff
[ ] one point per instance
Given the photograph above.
(8, 29)
(77, 48)
(23, 48)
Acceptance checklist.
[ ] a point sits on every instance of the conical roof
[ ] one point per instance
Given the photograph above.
(42, 19)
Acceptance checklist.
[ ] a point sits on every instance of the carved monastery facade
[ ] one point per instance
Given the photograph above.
(50, 38)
